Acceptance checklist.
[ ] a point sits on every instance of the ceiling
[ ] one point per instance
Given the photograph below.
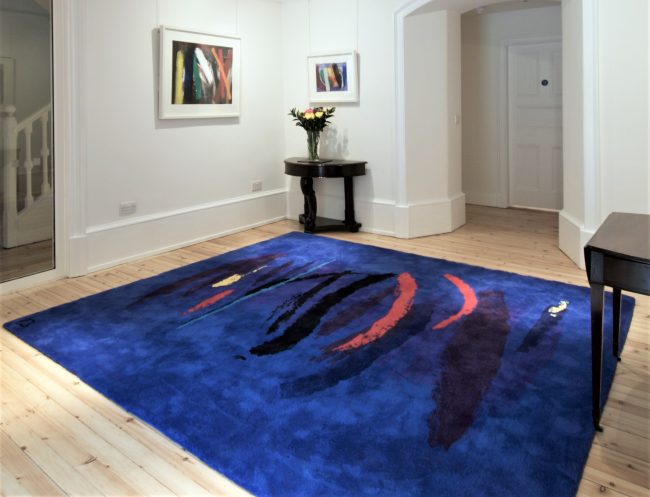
(512, 5)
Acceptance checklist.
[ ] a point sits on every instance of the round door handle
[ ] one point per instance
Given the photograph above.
(545, 82)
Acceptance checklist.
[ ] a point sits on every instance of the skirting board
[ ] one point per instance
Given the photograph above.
(110, 245)
(573, 238)
(430, 218)
(479, 198)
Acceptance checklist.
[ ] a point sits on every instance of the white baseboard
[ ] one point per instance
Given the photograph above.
(107, 245)
(573, 238)
(116, 243)
(430, 218)
(77, 256)
(487, 199)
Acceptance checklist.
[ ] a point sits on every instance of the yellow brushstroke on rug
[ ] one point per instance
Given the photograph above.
(235, 278)
(228, 281)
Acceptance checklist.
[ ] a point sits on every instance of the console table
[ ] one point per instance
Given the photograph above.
(618, 255)
(307, 171)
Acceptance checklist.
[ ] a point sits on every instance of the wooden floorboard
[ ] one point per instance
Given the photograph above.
(25, 260)
(60, 437)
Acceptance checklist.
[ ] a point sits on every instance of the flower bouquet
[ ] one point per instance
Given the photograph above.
(313, 121)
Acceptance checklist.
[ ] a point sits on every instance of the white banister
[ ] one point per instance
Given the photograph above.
(33, 221)
(45, 154)
(33, 117)
(10, 176)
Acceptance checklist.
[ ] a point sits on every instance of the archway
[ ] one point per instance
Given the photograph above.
(422, 161)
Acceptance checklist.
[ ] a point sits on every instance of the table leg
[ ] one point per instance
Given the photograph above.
(301, 217)
(617, 297)
(307, 187)
(350, 222)
(597, 295)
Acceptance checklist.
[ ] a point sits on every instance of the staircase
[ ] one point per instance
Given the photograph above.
(27, 206)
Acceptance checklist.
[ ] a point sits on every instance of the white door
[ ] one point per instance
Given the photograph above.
(535, 125)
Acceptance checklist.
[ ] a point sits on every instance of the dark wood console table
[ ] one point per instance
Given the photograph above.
(618, 255)
(307, 171)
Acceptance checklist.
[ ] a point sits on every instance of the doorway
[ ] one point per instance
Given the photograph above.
(511, 57)
(26, 159)
(535, 125)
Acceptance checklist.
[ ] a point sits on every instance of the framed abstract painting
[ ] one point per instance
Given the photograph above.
(333, 77)
(199, 75)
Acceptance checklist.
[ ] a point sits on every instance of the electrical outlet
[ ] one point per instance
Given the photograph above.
(256, 186)
(127, 208)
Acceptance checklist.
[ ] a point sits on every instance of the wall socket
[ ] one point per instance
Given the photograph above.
(127, 208)
(256, 186)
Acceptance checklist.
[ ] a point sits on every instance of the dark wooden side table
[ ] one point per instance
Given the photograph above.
(307, 171)
(618, 255)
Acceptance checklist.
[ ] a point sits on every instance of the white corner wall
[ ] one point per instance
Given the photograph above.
(485, 38)
(434, 201)
(191, 178)
(572, 233)
(606, 159)
(359, 131)
(624, 84)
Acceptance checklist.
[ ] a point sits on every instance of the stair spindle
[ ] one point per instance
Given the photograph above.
(10, 177)
(45, 155)
(28, 165)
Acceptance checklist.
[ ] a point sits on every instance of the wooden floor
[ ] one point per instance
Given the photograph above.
(26, 260)
(60, 437)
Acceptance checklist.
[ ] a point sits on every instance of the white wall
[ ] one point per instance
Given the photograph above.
(572, 232)
(359, 131)
(426, 131)
(624, 159)
(572, 107)
(191, 179)
(432, 123)
(484, 43)
(26, 39)
(606, 160)
(367, 130)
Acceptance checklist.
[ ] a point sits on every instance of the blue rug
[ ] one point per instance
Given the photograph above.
(310, 367)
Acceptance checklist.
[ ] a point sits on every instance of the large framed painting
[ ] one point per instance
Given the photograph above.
(333, 77)
(199, 75)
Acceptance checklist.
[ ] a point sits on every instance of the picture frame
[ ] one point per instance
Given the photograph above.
(199, 75)
(333, 77)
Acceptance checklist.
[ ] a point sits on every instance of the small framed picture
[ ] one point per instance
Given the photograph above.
(199, 75)
(333, 77)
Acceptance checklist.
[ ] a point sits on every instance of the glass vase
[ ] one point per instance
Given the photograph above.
(313, 138)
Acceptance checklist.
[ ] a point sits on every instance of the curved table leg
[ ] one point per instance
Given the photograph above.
(307, 187)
